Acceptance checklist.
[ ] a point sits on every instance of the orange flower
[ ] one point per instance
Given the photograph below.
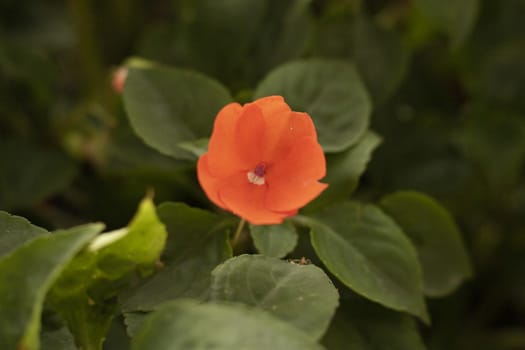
(263, 161)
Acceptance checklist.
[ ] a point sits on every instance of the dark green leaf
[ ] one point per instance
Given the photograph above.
(197, 147)
(25, 277)
(367, 251)
(30, 174)
(117, 338)
(436, 237)
(127, 154)
(59, 339)
(169, 106)
(300, 294)
(197, 243)
(344, 169)
(189, 228)
(189, 325)
(15, 231)
(360, 325)
(133, 321)
(274, 240)
(330, 91)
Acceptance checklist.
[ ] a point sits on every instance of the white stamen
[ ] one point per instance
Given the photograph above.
(254, 179)
(107, 238)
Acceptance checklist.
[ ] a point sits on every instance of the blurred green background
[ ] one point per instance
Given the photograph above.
(447, 80)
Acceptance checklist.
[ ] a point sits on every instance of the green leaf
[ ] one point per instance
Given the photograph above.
(197, 243)
(455, 18)
(127, 155)
(436, 237)
(15, 231)
(85, 293)
(330, 91)
(136, 247)
(30, 174)
(133, 321)
(168, 106)
(302, 295)
(187, 324)
(274, 240)
(360, 325)
(367, 251)
(197, 147)
(117, 336)
(25, 277)
(189, 228)
(344, 169)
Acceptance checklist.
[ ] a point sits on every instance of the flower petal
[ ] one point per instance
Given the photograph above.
(304, 161)
(222, 155)
(284, 196)
(209, 184)
(263, 131)
(299, 126)
(248, 201)
(292, 181)
(272, 105)
(249, 135)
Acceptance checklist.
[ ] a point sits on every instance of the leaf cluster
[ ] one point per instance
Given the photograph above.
(418, 106)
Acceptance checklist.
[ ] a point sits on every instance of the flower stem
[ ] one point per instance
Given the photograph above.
(238, 231)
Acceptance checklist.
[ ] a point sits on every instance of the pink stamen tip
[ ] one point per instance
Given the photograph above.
(260, 170)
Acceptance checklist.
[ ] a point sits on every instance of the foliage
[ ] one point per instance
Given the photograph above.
(417, 243)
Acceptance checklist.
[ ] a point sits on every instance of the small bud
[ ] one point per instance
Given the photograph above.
(119, 79)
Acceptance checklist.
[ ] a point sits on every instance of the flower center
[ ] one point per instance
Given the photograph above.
(256, 176)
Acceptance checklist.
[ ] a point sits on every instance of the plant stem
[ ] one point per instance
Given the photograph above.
(237, 234)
